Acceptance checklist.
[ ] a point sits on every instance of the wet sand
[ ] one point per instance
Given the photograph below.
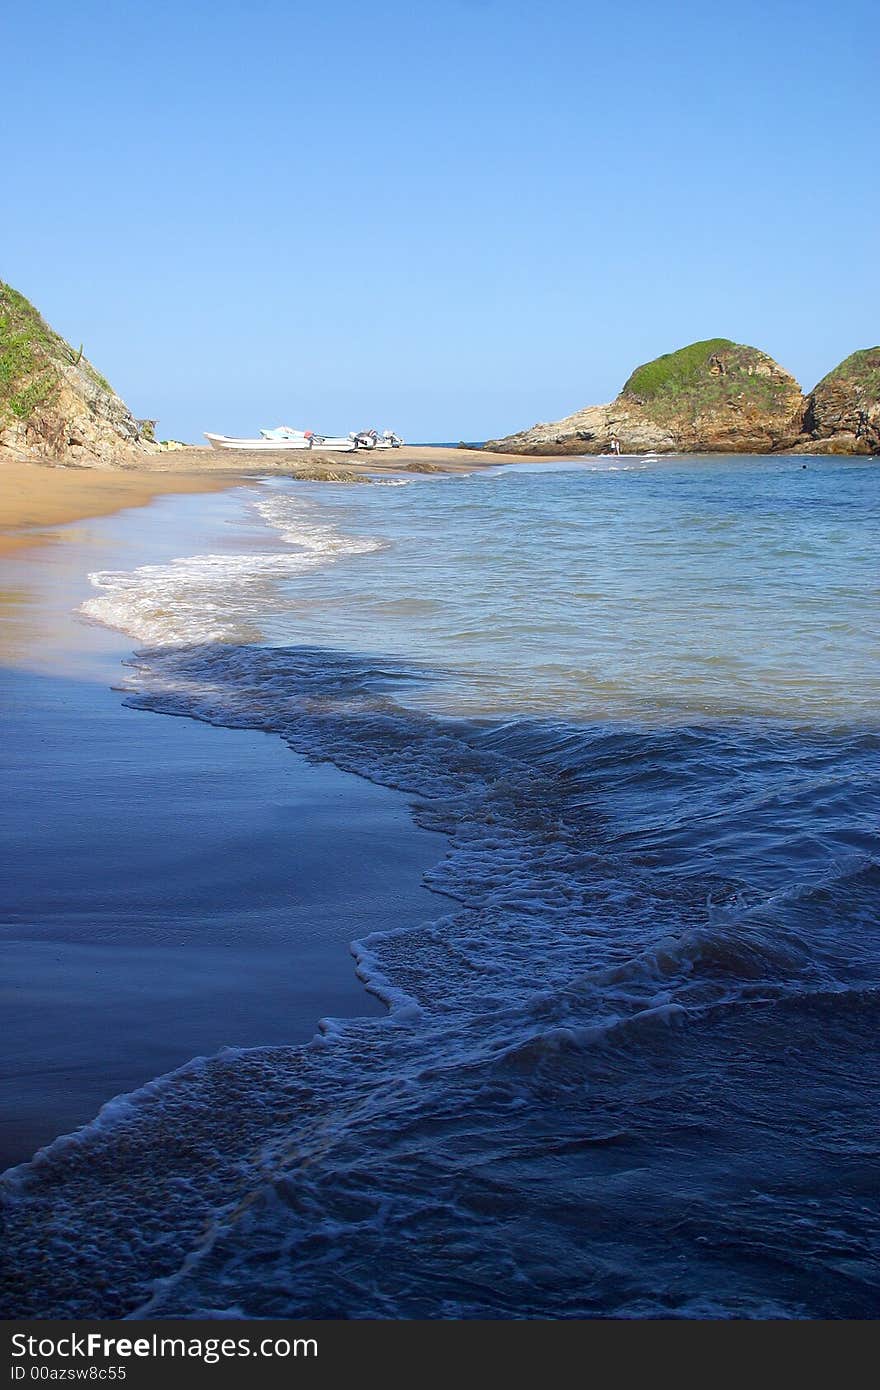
(177, 888)
(412, 457)
(36, 497)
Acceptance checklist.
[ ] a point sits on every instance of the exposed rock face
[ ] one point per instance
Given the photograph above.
(54, 405)
(711, 397)
(589, 431)
(843, 411)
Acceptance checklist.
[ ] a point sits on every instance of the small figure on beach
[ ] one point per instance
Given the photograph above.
(614, 446)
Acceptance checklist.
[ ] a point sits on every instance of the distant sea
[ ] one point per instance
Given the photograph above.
(631, 1066)
(449, 444)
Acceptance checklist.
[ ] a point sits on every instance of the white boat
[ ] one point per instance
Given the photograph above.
(323, 443)
(330, 445)
(223, 441)
(283, 433)
(372, 439)
(284, 438)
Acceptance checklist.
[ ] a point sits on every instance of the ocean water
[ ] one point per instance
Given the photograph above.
(630, 1068)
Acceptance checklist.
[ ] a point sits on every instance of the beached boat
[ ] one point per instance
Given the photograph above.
(223, 441)
(284, 438)
(372, 439)
(282, 433)
(332, 445)
(336, 444)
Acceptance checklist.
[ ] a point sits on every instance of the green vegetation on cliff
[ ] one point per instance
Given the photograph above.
(54, 404)
(711, 379)
(27, 378)
(860, 369)
(674, 371)
(30, 356)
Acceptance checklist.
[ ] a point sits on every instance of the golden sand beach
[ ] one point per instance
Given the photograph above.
(35, 497)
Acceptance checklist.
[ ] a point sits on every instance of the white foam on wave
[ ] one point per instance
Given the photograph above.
(309, 530)
(185, 601)
(114, 1112)
(198, 598)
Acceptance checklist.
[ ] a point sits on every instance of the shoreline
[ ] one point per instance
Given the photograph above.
(201, 458)
(36, 496)
(190, 904)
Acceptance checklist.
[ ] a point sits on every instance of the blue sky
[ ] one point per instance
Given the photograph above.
(452, 218)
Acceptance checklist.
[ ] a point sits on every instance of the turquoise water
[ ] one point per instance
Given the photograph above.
(630, 1067)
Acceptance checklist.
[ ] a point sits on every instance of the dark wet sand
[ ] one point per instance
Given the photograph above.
(174, 888)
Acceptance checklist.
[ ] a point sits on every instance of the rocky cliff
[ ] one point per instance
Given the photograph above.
(711, 397)
(54, 405)
(843, 412)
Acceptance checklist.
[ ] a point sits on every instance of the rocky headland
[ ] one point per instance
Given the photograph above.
(842, 413)
(55, 406)
(718, 396)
